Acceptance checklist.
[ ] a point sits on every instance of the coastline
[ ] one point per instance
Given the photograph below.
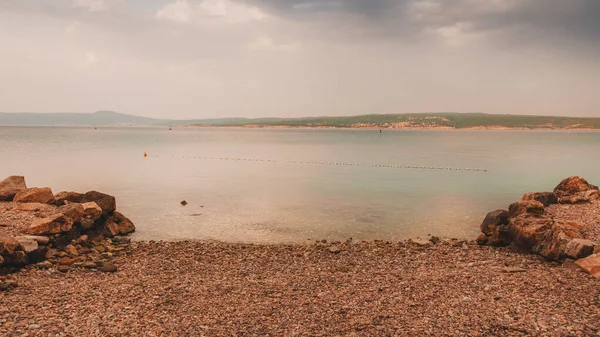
(442, 128)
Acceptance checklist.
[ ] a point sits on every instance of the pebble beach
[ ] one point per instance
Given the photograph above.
(450, 288)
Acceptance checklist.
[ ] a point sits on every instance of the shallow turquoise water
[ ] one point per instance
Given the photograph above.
(236, 200)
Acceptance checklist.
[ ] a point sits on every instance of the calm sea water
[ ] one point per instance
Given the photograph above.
(265, 202)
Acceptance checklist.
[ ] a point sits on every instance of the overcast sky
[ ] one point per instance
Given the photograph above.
(253, 58)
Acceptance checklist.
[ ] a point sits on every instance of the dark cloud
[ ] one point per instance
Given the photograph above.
(514, 21)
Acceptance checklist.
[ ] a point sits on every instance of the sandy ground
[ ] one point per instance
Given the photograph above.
(364, 289)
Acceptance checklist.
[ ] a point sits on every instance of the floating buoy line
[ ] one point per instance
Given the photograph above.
(329, 163)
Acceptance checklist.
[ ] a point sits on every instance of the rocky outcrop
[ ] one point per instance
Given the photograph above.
(68, 226)
(526, 226)
(42, 195)
(576, 190)
(10, 186)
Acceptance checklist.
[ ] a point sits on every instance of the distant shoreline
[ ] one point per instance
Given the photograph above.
(441, 128)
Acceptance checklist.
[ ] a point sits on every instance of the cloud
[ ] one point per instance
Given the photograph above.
(266, 43)
(97, 5)
(180, 11)
(220, 10)
(543, 22)
(197, 58)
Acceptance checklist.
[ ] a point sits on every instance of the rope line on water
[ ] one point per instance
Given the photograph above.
(253, 160)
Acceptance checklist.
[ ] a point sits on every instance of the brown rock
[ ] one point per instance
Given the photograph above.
(573, 185)
(27, 245)
(580, 198)
(63, 268)
(42, 195)
(73, 211)
(10, 186)
(86, 224)
(495, 230)
(108, 267)
(44, 265)
(525, 206)
(8, 245)
(38, 255)
(1, 260)
(71, 250)
(66, 261)
(16, 258)
(422, 243)
(91, 211)
(591, 264)
(125, 226)
(106, 202)
(546, 198)
(63, 198)
(55, 224)
(89, 265)
(110, 228)
(41, 240)
(35, 207)
(334, 249)
(579, 248)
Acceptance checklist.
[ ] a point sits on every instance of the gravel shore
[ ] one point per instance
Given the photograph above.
(351, 289)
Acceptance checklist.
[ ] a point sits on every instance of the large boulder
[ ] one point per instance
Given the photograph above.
(65, 197)
(525, 207)
(125, 225)
(73, 211)
(576, 190)
(578, 248)
(495, 229)
(10, 186)
(91, 211)
(550, 238)
(117, 224)
(546, 198)
(42, 195)
(8, 245)
(573, 185)
(55, 224)
(106, 202)
(591, 264)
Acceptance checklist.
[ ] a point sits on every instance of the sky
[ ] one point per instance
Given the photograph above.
(292, 58)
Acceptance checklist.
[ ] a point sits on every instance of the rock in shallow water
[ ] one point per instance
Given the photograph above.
(107, 203)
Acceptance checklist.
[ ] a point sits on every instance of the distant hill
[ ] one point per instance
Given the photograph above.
(396, 121)
(438, 120)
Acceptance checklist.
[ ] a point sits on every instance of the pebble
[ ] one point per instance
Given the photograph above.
(108, 267)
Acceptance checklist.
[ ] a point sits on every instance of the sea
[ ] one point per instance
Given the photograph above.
(267, 185)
